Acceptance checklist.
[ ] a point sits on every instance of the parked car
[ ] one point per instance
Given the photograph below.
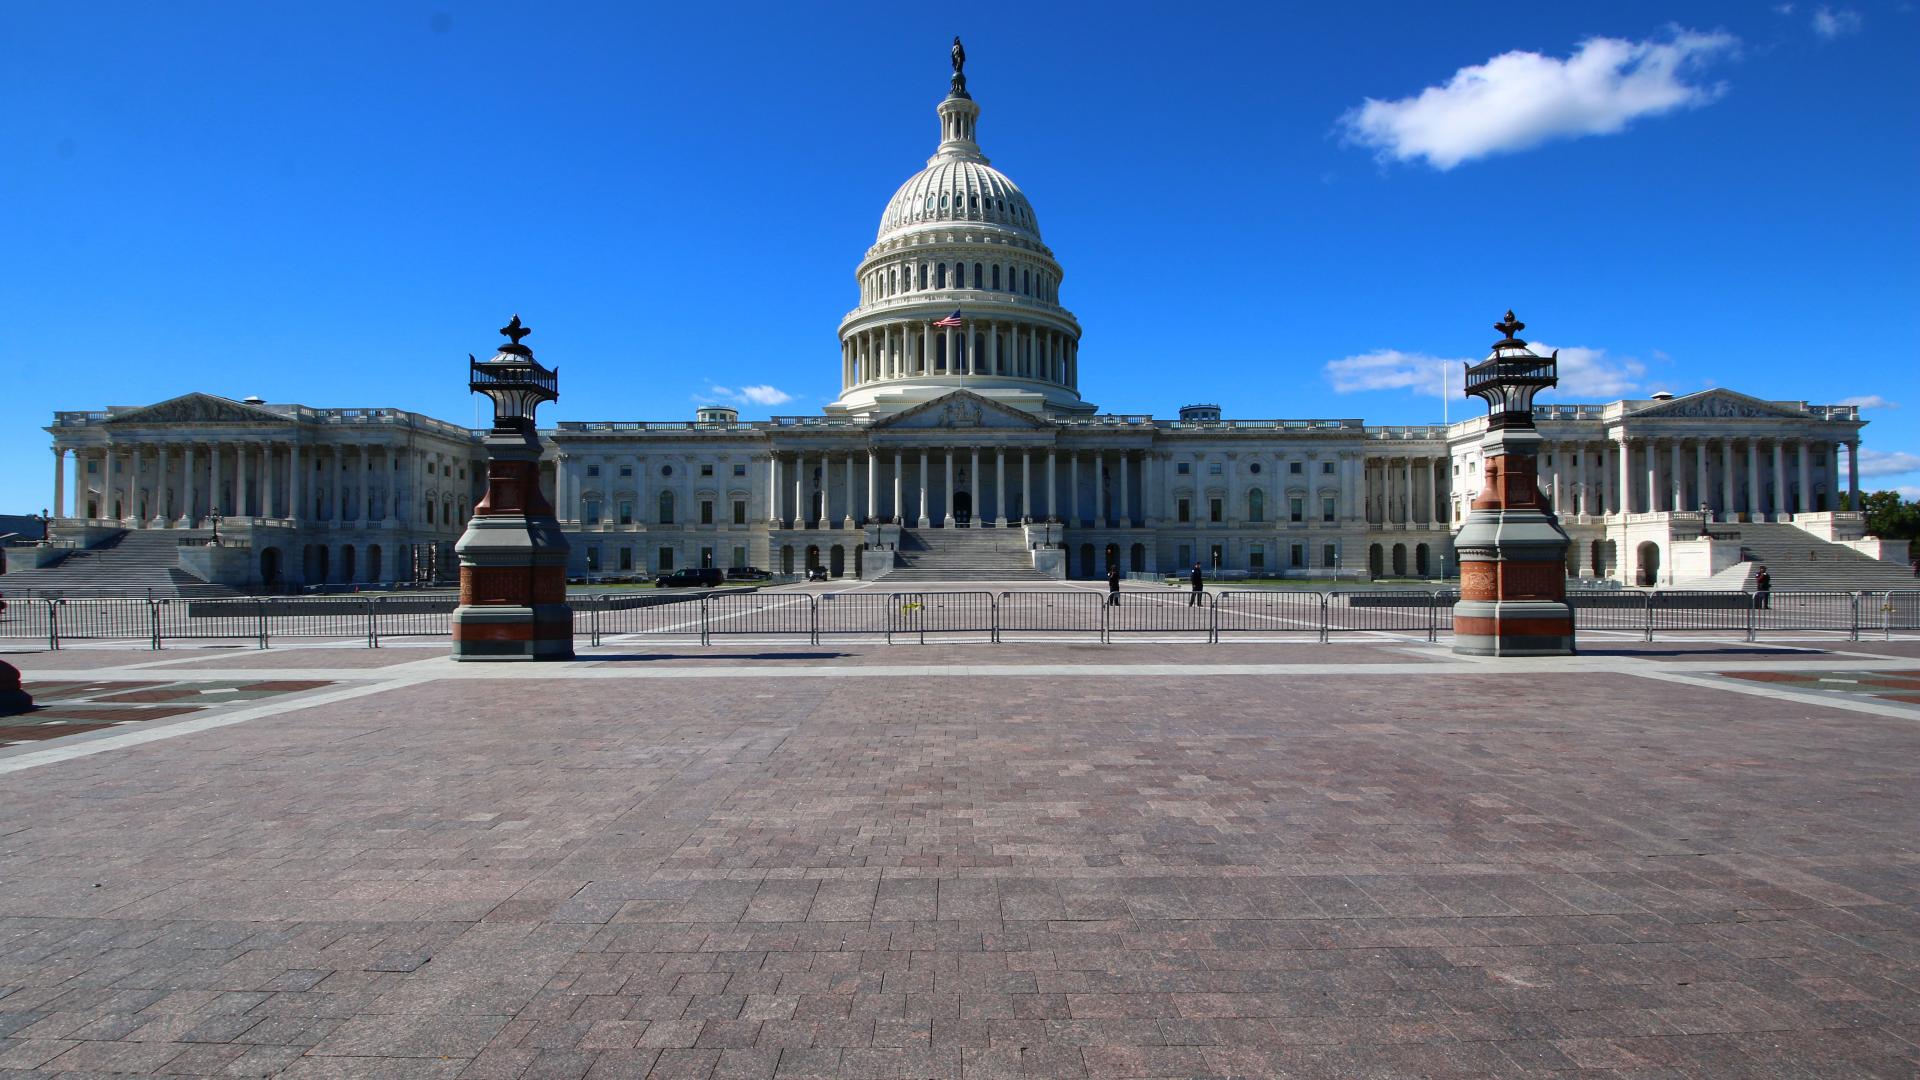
(816, 573)
(702, 577)
(748, 573)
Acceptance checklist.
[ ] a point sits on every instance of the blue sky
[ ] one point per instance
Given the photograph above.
(1292, 210)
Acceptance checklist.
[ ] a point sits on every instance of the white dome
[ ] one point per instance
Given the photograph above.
(958, 190)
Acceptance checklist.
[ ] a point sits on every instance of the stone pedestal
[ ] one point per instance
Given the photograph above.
(13, 700)
(513, 563)
(1513, 560)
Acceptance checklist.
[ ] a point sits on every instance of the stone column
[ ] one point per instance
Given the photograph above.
(947, 519)
(267, 486)
(1053, 474)
(1100, 517)
(1653, 476)
(1753, 479)
(993, 361)
(296, 484)
(1779, 508)
(1026, 485)
(390, 465)
(1804, 504)
(216, 497)
(773, 490)
(873, 485)
(847, 522)
(899, 492)
(1701, 483)
(1407, 469)
(59, 481)
(1073, 486)
(979, 485)
(1000, 485)
(1833, 475)
(1126, 500)
(1853, 474)
(1676, 480)
(1727, 508)
(1625, 496)
(800, 491)
(924, 520)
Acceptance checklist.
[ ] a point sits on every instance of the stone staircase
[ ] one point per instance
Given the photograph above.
(138, 562)
(1799, 560)
(962, 555)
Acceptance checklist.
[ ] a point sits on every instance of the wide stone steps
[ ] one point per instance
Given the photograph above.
(138, 561)
(962, 555)
(1796, 559)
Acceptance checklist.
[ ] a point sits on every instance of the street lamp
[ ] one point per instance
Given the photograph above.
(46, 528)
(215, 518)
(1705, 516)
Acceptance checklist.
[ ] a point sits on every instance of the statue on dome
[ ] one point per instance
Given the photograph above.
(959, 64)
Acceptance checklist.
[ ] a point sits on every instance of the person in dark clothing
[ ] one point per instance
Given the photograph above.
(1763, 590)
(1113, 584)
(1199, 586)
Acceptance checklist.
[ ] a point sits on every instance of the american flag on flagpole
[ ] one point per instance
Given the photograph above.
(951, 320)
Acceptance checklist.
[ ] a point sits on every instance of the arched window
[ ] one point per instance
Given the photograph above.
(666, 508)
(893, 282)
(1026, 279)
(996, 278)
(923, 275)
(1256, 506)
(979, 276)
(940, 276)
(959, 275)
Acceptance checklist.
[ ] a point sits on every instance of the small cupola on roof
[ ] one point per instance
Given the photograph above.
(958, 291)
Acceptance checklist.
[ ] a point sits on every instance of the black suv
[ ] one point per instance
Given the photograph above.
(748, 573)
(699, 577)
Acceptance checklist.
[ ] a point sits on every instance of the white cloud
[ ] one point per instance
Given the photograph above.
(1391, 369)
(1592, 375)
(1831, 24)
(1518, 100)
(1887, 462)
(750, 395)
(1869, 401)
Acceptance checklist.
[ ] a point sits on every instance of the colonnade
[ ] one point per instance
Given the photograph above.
(981, 347)
(1764, 478)
(1412, 490)
(181, 483)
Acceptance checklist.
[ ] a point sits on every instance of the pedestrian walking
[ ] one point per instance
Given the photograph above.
(1763, 590)
(1199, 586)
(1113, 584)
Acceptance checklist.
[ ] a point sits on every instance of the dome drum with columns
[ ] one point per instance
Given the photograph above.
(959, 236)
(978, 426)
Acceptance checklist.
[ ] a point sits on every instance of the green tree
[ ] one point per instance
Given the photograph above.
(1890, 517)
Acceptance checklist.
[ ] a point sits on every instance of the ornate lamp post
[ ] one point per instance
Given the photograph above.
(1512, 551)
(46, 528)
(513, 556)
(215, 518)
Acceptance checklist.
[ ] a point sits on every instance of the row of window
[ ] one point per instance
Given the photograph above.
(1257, 509)
(706, 469)
(973, 205)
(1215, 468)
(880, 284)
(591, 511)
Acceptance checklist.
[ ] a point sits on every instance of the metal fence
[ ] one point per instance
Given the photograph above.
(924, 617)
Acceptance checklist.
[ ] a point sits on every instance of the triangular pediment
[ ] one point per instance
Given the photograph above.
(1715, 403)
(196, 408)
(963, 410)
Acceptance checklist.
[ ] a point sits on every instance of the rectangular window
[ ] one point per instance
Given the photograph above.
(706, 557)
(1214, 468)
(1296, 509)
(666, 559)
(1327, 555)
(706, 511)
(1182, 468)
(1296, 467)
(590, 511)
(1326, 467)
(593, 559)
(1327, 509)
(592, 470)
(626, 511)
(706, 470)
(1219, 556)
(1214, 510)
(740, 470)
(739, 557)
(739, 511)
(1186, 556)
(1183, 512)
(626, 470)
(1297, 556)
(1257, 557)
(93, 466)
(626, 558)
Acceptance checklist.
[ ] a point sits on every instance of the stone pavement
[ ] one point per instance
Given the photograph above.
(1366, 859)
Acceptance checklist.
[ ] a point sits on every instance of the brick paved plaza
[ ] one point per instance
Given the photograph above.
(1148, 859)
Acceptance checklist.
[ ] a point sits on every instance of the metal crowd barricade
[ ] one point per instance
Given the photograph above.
(184, 619)
(1271, 611)
(1389, 610)
(663, 616)
(948, 613)
(28, 618)
(1793, 609)
(1699, 609)
(105, 619)
(1064, 611)
(869, 614)
(320, 618)
(1167, 612)
(1899, 609)
(422, 615)
(759, 613)
(1611, 609)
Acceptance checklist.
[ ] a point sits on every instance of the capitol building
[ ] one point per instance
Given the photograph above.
(966, 435)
